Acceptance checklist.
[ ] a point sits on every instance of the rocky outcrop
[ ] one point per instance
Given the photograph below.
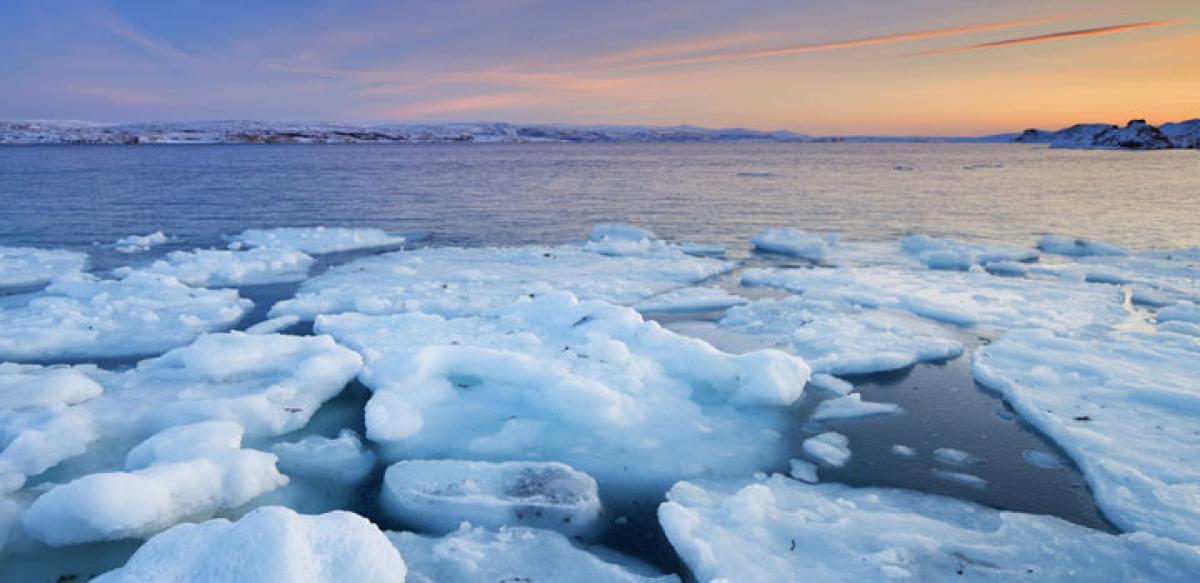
(1136, 135)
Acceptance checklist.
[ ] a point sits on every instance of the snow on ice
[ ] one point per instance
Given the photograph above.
(26, 266)
(221, 268)
(317, 240)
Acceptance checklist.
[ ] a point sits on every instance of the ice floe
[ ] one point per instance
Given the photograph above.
(27, 266)
(970, 480)
(188, 472)
(140, 243)
(438, 495)
(804, 471)
(956, 457)
(461, 282)
(1077, 247)
(514, 554)
(838, 337)
(86, 317)
(830, 448)
(795, 243)
(690, 299)
(221, 268)
(268, 545)
(939, 253)
(962, 298)
(851, 406)
(1123, 407)
(340, 460)
(554, 378)
(318, 240)
(784, 530)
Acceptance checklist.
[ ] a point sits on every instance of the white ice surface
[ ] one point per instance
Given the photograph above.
(221, 268)
(1124, 407)
(939, 253)
(851, 406)
(460, 282)
(268, 545)
(830, 448)
(963, 298)
(956, 457)
(188, 472)
(784, 530)
(831, 384)
(85, 317)
(795, 243)
(140, 243)
(438, 495)
(838, 337)
(513, 554)
(340, 460)
(690, 299)
(553, 378)
(318, 240)
(1077, 247)
(27, 266)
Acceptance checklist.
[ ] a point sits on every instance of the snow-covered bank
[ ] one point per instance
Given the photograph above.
(1136, 135)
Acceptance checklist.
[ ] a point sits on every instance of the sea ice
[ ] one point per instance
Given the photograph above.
(438, 495)
(804, 471)
(938, 253)
(829, 448)
(221, 268)
(903, 450)
(339, 460)
(1077, 247)
(1043, 459)
(831, 384)
(963, 478)
(851, 406)
(187, 472)
(513, 554)
(318, 240)
(464, 282)
(140, 243)
(273, 325)
(1123, 407)
(963, 298)
(268, 545)
(795, 243)
(690, 299)
(956, 457)
(837, 337)
(26, 266)
(784, 530)
(141, 314)
(553, 378)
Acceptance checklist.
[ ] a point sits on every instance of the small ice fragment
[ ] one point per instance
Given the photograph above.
(803, 470)
(903, 450)
(795, 243)
(140, 243)
(438, 495)
(1043, 459)
(955, 457)
(1078, 247)
(317, 240)
(831, 384)
(851, 406)
(620, 232)
(274, 325)
(343, 459)
(830, 448)
(225, 268)
(690, 299)
(961, 478)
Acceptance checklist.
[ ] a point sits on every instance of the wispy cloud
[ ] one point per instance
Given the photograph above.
(1100, 30)
(846, 44)
(118, 25)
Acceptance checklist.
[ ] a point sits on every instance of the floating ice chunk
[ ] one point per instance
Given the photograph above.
(38, 426)
(1078, 247)
(1189, 313)
(690, 299)
(220, 268)
(553, 378)
(438, 495)
(803, 470)
(851, 406)
(268, 545)
(831, 384)
(829, 448)
(140, 243)
(25, 386)
(1147, 296)
(963, 298)
(795, 243)
(26, 266)
(1043, 459)
(184, 473)
(92, 318)
(620, 232)
(343, 459)
(839, 338)
(702, 249)
(273, 325)
(510, 554)
(462, 282)
(783, 530)
(318, 240)
(1123, 407)
(963, 478)
(938, 253)
(903, 450)
(956, 457)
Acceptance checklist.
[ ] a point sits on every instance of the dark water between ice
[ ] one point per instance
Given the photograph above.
(63, 196)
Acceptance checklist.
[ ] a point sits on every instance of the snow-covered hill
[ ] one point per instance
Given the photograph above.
(1136, 135)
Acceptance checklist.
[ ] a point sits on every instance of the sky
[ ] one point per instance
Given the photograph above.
(911, 67)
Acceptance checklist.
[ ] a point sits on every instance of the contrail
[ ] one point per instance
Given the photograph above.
(1051, 36)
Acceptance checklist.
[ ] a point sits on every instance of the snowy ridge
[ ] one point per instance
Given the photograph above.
(1136, 135)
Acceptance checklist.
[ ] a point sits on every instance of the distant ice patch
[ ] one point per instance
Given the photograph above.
(829, 448)
(795, 243)
(140, 243)
(851, 406)
(318, 240)
(221, 268)
(1078, 247)
(938, 253)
